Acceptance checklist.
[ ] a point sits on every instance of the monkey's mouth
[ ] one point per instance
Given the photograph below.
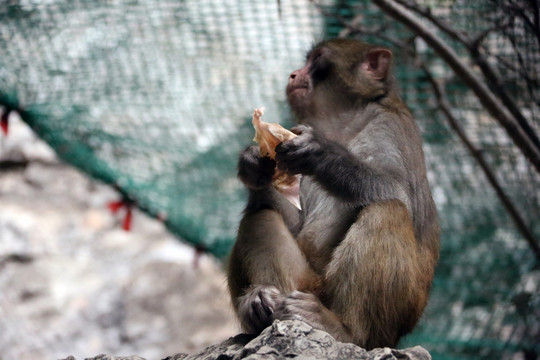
(296, 88)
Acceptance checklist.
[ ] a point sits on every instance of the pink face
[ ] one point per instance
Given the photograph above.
(299, 88)
(301, 82)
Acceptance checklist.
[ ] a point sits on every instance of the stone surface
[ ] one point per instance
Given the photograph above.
(291, 339)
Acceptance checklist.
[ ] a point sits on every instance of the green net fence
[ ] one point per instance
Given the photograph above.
(155, 99)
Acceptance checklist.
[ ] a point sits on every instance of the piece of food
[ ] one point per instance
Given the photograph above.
(268, 136)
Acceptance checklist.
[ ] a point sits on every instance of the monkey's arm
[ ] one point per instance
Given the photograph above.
(373, 173)
(256, 172)
(266, 261)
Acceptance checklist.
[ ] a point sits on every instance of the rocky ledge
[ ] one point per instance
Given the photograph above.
(288, 339)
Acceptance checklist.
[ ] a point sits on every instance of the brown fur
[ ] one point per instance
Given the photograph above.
(358, 260)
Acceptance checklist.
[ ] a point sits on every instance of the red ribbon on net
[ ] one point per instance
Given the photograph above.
(4, 121)
(115, 206)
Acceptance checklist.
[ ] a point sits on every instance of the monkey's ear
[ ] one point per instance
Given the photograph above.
(377, 63)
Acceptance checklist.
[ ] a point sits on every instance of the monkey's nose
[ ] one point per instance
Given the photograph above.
(293, 75)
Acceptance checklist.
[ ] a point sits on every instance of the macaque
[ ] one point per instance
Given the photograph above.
(357, 260)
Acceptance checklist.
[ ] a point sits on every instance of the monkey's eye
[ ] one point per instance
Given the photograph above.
(320, 67)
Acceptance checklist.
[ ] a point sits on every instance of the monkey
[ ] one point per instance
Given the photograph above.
(358, 259)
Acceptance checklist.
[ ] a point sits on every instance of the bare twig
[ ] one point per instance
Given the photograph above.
(518, 10)
(499, 89)
(522, 73)
(468, 42)
(535, 24)
(473, 46)
(500, 24)
(426, 13)
(486, 97)
(353, 26)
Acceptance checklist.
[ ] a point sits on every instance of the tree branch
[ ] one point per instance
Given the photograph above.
(473, 46)
(490, 102)
(445, 107)
(426, 13)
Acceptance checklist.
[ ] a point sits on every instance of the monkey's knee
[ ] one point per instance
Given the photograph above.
(373, 278)
(257, 306)
(388, 218)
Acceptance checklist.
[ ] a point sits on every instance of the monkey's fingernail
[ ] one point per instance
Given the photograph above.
(268, 309)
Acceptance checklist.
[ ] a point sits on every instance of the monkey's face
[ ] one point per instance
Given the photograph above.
(338, 75)
(304, 84)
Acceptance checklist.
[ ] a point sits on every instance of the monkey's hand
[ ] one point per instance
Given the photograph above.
(256, 308)
(307, 308)
(302, 154)
(254, 170)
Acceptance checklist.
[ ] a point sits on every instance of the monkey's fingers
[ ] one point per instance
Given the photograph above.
(298, 306)
(305, 139)
(297, 160)
(258, 306)
(254, 171)
(261, 311)
(300, 129)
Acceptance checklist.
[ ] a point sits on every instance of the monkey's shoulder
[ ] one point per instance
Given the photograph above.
(388, 118)
(386, 134)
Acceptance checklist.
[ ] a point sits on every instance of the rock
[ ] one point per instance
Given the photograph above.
(109, 357)
(290, 339)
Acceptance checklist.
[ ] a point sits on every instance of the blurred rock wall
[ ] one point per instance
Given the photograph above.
(72, 282)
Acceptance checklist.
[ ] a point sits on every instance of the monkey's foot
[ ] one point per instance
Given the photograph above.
(257, 307)
(307, 308)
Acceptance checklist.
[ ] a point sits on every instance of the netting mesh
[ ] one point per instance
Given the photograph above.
(155, 99)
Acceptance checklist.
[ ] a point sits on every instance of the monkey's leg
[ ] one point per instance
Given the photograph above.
(374, 282)
(265, 263)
